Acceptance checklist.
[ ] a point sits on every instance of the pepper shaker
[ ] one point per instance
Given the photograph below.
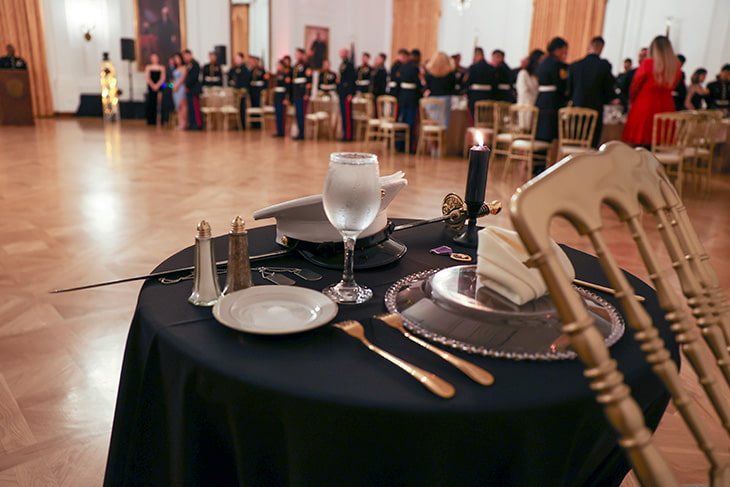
(239, 265)
(206, 290)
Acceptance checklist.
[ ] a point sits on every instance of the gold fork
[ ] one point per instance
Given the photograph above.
(434, 383)
(476, 373)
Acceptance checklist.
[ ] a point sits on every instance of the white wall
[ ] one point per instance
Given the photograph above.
(367, 24)
(700, 30)
(73, 63)
(501, 25)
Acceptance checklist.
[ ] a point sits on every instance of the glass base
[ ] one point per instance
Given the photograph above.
(343, 294)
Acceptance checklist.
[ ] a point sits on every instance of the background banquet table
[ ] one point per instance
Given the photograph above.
(202, 404)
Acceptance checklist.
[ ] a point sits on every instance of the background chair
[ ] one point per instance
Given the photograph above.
(211, 101)
(669, 142)
(432, 129)
(523, 146)
(390, 130)
(231, 106)
(633, 183)
(502, 138)
(318, 119)
(362, 112)
(576, 127)
(701, 146)
(483, 125)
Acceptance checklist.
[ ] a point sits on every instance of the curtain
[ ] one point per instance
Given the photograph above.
(576, 21)
(21, 24)
(416, 26)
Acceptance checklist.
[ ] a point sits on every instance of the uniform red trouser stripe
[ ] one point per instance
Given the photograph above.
(348, 113)
(196, 104)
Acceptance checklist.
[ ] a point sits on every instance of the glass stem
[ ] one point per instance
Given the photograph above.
(348, 272)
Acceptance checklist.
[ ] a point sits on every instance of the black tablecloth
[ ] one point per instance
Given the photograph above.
(201, 404)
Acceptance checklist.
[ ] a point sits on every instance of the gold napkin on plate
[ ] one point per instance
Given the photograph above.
(501, 266)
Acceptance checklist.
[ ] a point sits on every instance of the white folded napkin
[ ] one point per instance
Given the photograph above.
(501, 266)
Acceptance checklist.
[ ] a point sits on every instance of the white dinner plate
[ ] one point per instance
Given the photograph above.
(274, 310)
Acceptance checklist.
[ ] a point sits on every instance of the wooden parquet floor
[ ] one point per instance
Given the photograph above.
(82, 202)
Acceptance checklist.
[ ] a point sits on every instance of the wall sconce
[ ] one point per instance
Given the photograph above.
(87, 30)
(670, 22)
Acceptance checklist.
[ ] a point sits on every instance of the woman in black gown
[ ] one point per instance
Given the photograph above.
(155, 75)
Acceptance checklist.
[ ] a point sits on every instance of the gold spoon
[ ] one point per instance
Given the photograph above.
(434, 383)
(476, 373)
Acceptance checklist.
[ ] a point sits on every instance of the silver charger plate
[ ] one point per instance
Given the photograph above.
(449, 306)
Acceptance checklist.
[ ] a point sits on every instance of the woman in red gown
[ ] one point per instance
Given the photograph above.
(651, 91)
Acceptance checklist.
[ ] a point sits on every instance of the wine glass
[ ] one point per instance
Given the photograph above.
(351, 200)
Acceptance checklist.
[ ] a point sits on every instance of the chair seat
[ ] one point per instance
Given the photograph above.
(574, 149)
(535, 145)
(374, 122)
(433, 128)
(394, 125)
(481, 130)
(666, 157)
(229, 109)
(505, 138)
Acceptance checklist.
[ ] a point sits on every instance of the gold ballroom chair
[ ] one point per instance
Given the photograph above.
(576, 127)
(523, 146)
(390, 130)
(432, 112)
(483, 129)
(633, 183)
(670, 137)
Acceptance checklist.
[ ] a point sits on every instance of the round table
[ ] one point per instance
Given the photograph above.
(202, 404)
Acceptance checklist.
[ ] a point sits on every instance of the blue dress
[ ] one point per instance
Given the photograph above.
(179, 95)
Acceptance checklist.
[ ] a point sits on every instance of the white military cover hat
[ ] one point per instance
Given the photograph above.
(303, 222)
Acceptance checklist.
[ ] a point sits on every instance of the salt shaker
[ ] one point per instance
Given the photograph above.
(239, 265)
(206, 290)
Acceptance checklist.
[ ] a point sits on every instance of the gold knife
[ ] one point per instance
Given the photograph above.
(431, 381)
(474, 372)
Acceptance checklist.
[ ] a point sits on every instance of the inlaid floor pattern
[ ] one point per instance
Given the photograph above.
(83, 202)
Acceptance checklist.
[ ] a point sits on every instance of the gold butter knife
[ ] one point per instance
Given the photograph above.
(431, 381)
(474, 372)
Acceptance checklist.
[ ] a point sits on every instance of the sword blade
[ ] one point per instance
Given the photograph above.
(171, 272)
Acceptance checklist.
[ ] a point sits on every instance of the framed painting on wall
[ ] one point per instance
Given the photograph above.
(317, 41)
(160, 29)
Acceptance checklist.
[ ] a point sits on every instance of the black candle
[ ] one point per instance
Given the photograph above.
(476, 182)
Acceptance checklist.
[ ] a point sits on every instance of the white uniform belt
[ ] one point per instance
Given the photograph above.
(547, 88)
(327, 87)
(721, 102)
(504, 86)
(362, 82)
(299, 81)
(392, 84)
(257, 83)
(478, 87)
(212, 78)
(280, 89)
(408, 86)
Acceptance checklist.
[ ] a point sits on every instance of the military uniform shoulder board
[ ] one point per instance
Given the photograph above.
(563, 73)
(308, 72)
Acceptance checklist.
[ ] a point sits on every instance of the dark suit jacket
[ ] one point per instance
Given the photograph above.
(590, 83)
(192, 78)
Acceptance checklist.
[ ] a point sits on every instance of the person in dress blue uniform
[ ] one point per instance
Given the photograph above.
(327, 84)
(552, 76)
(282, 88)
(680, 91)
(504, 89)
(239, 77)
(364, 72)
(719, 91)
(212, 72)
(408, 78)
(392, 88)
(379, 77)
(10, 60)
(345, 91)
(258, 81)
(479, 80)
(301, 86)
(591, 84)
(193, 88)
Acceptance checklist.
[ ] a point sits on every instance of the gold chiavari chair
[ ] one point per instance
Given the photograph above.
(701, 146)
(483, 125)
(576, 127)
(670, 137)
(432, 130)
(389, 129)
(502, 138)
(633, 183)
(523, 145)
